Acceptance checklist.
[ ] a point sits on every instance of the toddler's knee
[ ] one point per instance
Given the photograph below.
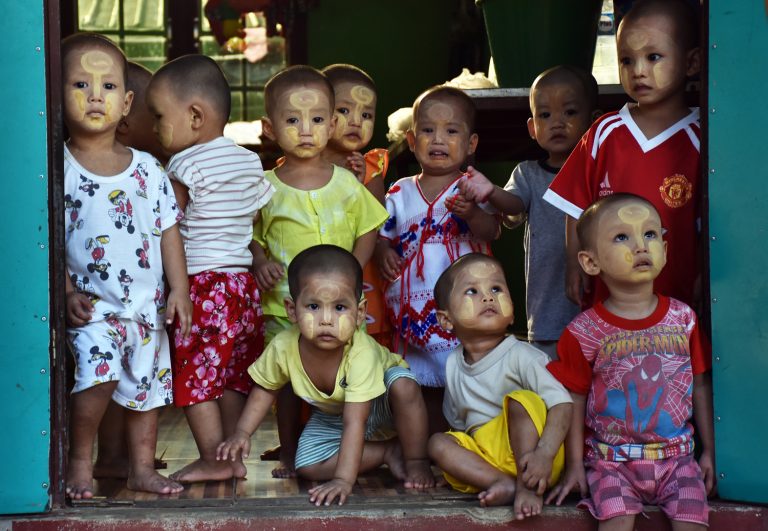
(438, 444)
(405, 389)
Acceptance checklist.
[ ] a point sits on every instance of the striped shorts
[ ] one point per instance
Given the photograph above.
(321, 438)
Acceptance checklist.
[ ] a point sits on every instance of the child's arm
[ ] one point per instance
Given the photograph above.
(574, 476)
(267, 272)
(179, 304)
(535, 467)
(702, 413)
(259, 402)
(182, 194)
(364, 247)
(576, 280)
(354, 416)
(390, 263)
(79, 306)
(479, 189)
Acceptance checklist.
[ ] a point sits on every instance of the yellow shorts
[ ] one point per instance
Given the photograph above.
(491, 440)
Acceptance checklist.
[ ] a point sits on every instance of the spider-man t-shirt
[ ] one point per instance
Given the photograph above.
(638, 375)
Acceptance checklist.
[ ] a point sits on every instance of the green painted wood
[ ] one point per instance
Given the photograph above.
(24, 319)
(738, 188)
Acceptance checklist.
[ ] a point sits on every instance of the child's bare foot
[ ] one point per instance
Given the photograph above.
(500, 493)
(393, 457)
(418, 474)
(201, 470)
(79, 479)
(118, 469)
(527, 503)
(151, 481)
(284, 470)
(112, 469)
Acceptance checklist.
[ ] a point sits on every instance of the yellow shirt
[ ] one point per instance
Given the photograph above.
(360, 376)
(293, 220)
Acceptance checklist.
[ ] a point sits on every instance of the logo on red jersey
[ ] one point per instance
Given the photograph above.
(605, 187)
(676, 190)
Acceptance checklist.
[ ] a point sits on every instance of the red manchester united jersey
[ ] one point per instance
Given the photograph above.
(615, 156)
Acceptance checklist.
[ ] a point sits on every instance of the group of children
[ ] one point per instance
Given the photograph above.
(388, 315)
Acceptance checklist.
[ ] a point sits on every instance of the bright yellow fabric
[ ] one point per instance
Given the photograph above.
(360, 376)
(491, 440)
(293, 220)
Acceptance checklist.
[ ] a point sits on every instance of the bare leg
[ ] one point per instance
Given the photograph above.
(433, 399)
(410, 415)
(523, 438)
(496, 487)
(686, 526)
(231, 405)
(374, 455)
(288, 431)
(141, 427)
(112, 448)
(619, 523)
(88, 408)
(205, 422)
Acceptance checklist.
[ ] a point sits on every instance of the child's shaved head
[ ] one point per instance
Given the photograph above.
(199, 76)
(322, 260)
(681, 13)
(452, 96)
(568, 75)
(292, 77)
(589, 221)
(344, 73)
(444, 284)
(93, 41)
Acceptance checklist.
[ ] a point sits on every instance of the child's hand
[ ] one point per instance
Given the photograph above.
(707, 465)
(238, 443)
(459, 205)
(476, 186)
(179, 306)
(534, 469)
(268, 275)
(79, 309)
(327, 492)
(390, 264)
(574, 477)
(356, 164)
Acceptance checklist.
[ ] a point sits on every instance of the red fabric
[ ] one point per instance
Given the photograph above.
(664, 170)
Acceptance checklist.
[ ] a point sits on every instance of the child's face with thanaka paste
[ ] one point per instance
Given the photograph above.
(95, 98)
(561, 115)
(440, 137)
(653, 64)
(355, 107)
(326, 310)
(628, 246)
(479, 301)
(173, 117)
(302, 121)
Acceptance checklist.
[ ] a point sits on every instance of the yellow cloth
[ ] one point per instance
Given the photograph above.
(360, 376)
(293, 220)
(491, 440)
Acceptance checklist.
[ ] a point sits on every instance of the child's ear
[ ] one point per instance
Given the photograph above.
(444, 320)
(693, 62)
(290, 309)
(473, 140)
(588, 263)
(266, 128)
(128, 101)
(362, 311)
(334, 124)
(531, 128)
(410, 136)
(196, 116)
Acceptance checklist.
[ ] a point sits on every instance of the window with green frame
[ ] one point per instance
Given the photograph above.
(139, 27)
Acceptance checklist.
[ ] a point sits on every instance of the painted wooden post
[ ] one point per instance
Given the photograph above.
(24, 321)
(738, 213)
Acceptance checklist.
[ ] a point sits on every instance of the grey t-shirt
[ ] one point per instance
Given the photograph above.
(548, 309)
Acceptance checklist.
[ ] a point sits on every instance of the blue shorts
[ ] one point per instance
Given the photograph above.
(321, 438)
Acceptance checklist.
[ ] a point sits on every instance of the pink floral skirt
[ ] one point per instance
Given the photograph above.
(227, 336)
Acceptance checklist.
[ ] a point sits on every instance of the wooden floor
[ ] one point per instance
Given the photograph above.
(177, 449)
